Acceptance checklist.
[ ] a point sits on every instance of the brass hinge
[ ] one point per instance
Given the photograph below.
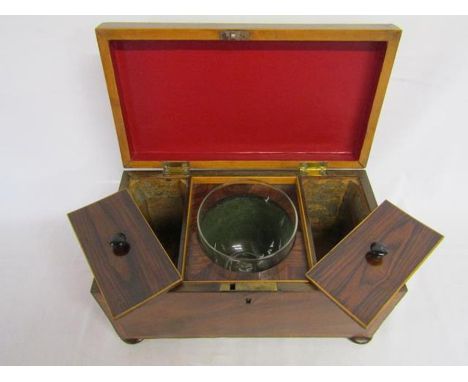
(234, 35)
(315, 168)
(176, 168)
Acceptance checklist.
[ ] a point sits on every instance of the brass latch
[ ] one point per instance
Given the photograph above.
(313, 169)
(176, 168)
(249, 287)
(234, 35)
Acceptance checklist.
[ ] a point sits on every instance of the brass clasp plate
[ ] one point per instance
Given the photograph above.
(249, 287)
(234, 35)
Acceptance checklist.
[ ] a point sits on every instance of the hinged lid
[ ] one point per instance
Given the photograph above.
(246, 96)
(128, 261)
(370, 265)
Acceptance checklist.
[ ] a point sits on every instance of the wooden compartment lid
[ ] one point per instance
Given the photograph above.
(246, 96)
(370, 265)
(129, 263)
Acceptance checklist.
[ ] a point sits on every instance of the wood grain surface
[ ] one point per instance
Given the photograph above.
(301, 313)
(125, 281)
(363, 289)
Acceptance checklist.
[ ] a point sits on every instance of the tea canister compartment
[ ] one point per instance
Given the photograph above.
(247, 226)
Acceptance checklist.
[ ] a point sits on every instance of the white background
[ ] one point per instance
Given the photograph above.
(59, 151)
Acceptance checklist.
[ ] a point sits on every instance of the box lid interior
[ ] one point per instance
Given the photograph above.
(205, 100)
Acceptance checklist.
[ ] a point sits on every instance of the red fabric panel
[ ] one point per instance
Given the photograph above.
(246, 100)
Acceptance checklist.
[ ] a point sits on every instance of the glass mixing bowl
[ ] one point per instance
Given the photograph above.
(247, 227)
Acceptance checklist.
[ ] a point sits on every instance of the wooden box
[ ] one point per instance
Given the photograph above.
(295, 106)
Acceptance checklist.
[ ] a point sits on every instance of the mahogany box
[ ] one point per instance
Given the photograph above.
(294, 106)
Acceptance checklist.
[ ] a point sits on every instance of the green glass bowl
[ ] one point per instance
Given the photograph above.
(247, 227)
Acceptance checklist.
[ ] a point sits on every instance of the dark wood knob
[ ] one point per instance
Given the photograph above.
(376, 253)
(119, 244)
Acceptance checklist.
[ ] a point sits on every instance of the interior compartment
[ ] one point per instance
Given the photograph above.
(162, 203)
(198, 267)
(334, 206)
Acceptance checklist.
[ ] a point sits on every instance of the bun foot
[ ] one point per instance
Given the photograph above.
(360, 340)
(132, 341)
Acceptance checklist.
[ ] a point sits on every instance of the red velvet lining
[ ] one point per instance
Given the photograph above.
(246, 100)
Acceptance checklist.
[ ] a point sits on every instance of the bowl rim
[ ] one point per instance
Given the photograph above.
(227, 184)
